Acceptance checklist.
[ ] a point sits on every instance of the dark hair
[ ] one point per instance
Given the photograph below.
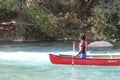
(82, 36)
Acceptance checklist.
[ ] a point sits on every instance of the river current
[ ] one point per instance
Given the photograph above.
(30, 61)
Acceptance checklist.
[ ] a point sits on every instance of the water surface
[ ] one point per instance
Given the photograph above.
(30, 61)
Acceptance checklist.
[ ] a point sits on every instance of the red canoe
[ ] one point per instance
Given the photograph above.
(97, 61)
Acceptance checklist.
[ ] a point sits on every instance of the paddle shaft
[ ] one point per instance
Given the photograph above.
(73, 53)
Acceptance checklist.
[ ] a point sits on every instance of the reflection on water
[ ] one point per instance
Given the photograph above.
(30, 61)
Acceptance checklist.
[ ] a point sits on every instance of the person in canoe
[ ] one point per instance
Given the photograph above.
(82, 46)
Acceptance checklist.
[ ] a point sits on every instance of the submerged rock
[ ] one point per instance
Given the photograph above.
(100, 44)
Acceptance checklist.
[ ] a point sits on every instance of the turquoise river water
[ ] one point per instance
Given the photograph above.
(30, 61)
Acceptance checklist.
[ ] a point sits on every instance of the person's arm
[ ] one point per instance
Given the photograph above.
(78, 53)
(80, 50)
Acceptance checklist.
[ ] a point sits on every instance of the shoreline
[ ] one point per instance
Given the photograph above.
(21, 40)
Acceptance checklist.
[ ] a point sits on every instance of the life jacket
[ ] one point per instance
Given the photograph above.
(85, 45)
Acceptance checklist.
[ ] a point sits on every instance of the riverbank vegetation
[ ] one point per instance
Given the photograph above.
(59, 19)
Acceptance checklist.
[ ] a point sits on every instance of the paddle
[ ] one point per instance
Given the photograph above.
(73, 53)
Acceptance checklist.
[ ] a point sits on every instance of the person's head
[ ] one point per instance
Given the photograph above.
(82, 36)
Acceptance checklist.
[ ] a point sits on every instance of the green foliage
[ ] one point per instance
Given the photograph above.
(8, 14)
(109, 31)
(62, 18)
(12, 5)
(42, 18)
(20, 32)
(8, 8)
(111, 10)
(101, 28)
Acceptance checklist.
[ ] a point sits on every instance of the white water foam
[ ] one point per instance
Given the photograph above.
(40, 57)
(25, 56)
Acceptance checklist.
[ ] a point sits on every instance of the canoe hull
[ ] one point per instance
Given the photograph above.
(58, 59)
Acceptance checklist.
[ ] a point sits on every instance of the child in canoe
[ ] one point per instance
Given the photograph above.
(82, 46)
